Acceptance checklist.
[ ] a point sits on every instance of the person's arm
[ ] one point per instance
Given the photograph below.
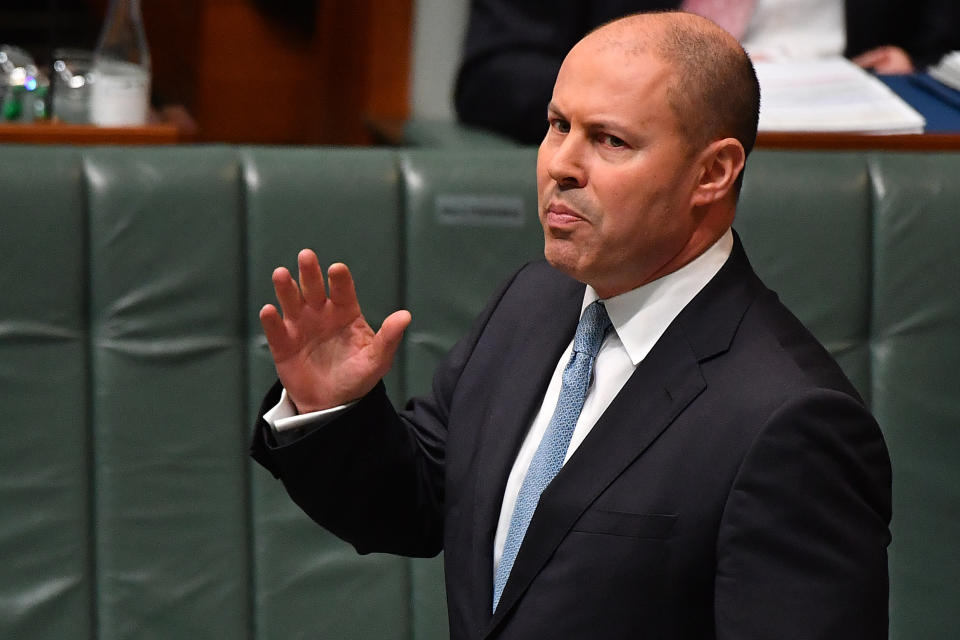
(888, 60)
(802, 547)
(370, 475)
(287, 425)
(363, 473)
(511, 55)
(895, 37)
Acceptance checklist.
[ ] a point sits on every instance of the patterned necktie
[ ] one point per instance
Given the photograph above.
(552, 450)
(732, 15)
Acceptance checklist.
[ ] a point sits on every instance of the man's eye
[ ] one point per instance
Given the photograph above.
(561, 126)
(612, 141)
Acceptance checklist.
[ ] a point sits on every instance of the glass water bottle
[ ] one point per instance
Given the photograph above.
(120, 88)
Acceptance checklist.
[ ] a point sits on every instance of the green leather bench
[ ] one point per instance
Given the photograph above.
(131, 364)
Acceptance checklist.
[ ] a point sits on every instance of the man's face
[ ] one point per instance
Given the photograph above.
(614, 175)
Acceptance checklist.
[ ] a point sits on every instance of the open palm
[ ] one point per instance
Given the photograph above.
(325, 353)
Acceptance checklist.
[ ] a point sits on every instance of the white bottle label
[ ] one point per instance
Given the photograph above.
(119, 94)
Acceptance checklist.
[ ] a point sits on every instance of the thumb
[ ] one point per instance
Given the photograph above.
(391, 332)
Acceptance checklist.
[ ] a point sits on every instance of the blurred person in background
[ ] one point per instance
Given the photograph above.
(513, 48)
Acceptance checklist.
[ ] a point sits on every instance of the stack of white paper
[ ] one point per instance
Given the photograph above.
(830, 95)
(947, 70)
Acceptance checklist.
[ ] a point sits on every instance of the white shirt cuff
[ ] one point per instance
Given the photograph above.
(284, 417)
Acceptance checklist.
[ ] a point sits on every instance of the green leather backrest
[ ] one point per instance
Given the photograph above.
(804, 218)
(131, 364)
(915, 380)
(469, 222)
(344, 205)
(167, 390)
(46, 523)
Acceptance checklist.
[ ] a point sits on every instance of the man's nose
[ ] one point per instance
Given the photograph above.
(566, 166)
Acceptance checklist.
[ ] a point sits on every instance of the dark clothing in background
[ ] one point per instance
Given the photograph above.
(514, 48)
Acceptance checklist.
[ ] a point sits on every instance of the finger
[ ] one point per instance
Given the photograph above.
(343, 293)
(866, 56)
(903, 59)
(288, 293)
(390, 334)
(275, 331)
(896, 61)
(870, 58)
(311, 279)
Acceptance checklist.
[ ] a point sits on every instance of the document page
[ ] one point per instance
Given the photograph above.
(947, 70)
(831, 94)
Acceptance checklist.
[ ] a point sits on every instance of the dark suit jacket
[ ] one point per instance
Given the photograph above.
(735, 488)
(513, 49)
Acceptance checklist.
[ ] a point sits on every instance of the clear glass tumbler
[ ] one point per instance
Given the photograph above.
(70, 80)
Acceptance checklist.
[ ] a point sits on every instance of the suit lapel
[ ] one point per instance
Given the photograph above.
(665, 383)
(519, 394)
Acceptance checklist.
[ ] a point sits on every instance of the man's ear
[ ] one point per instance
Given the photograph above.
(720, 164)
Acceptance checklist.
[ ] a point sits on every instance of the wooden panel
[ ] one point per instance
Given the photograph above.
(342, 56)
(55, 133)
(388, 77)
(247, 77)
(845, 141)
(173, 30)
(250, 76)
(364, 56)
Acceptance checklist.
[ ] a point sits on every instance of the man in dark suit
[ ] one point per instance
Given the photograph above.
(513, 49)
(720, 478)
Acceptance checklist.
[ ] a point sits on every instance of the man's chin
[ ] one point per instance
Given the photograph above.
(561, 256)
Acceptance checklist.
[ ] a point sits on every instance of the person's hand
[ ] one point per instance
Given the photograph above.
(325, 353)
(886, 60)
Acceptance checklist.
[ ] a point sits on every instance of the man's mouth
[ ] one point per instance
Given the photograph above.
(560, 216)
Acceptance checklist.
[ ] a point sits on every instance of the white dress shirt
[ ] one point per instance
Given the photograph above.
(639, 318)
(796, 29)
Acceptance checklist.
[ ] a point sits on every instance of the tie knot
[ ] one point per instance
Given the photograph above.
(594, 324)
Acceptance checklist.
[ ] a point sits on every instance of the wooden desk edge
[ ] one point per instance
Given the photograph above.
(83, 134)
(859, 141)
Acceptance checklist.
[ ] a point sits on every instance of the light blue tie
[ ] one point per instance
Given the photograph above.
(547, 460)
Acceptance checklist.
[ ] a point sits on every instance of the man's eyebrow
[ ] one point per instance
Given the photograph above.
(599, 123)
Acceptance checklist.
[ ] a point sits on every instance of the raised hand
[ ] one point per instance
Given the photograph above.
(325, 352)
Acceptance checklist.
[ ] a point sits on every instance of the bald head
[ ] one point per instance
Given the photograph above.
(712, 88)
(639, 171)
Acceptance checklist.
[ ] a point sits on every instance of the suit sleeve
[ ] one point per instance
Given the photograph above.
(511, 55)
(802, 548)
(513, 51)
(938, 33)
(373, 476)
(925, 29)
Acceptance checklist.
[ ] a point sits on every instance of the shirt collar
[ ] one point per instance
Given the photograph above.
(640, 316)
